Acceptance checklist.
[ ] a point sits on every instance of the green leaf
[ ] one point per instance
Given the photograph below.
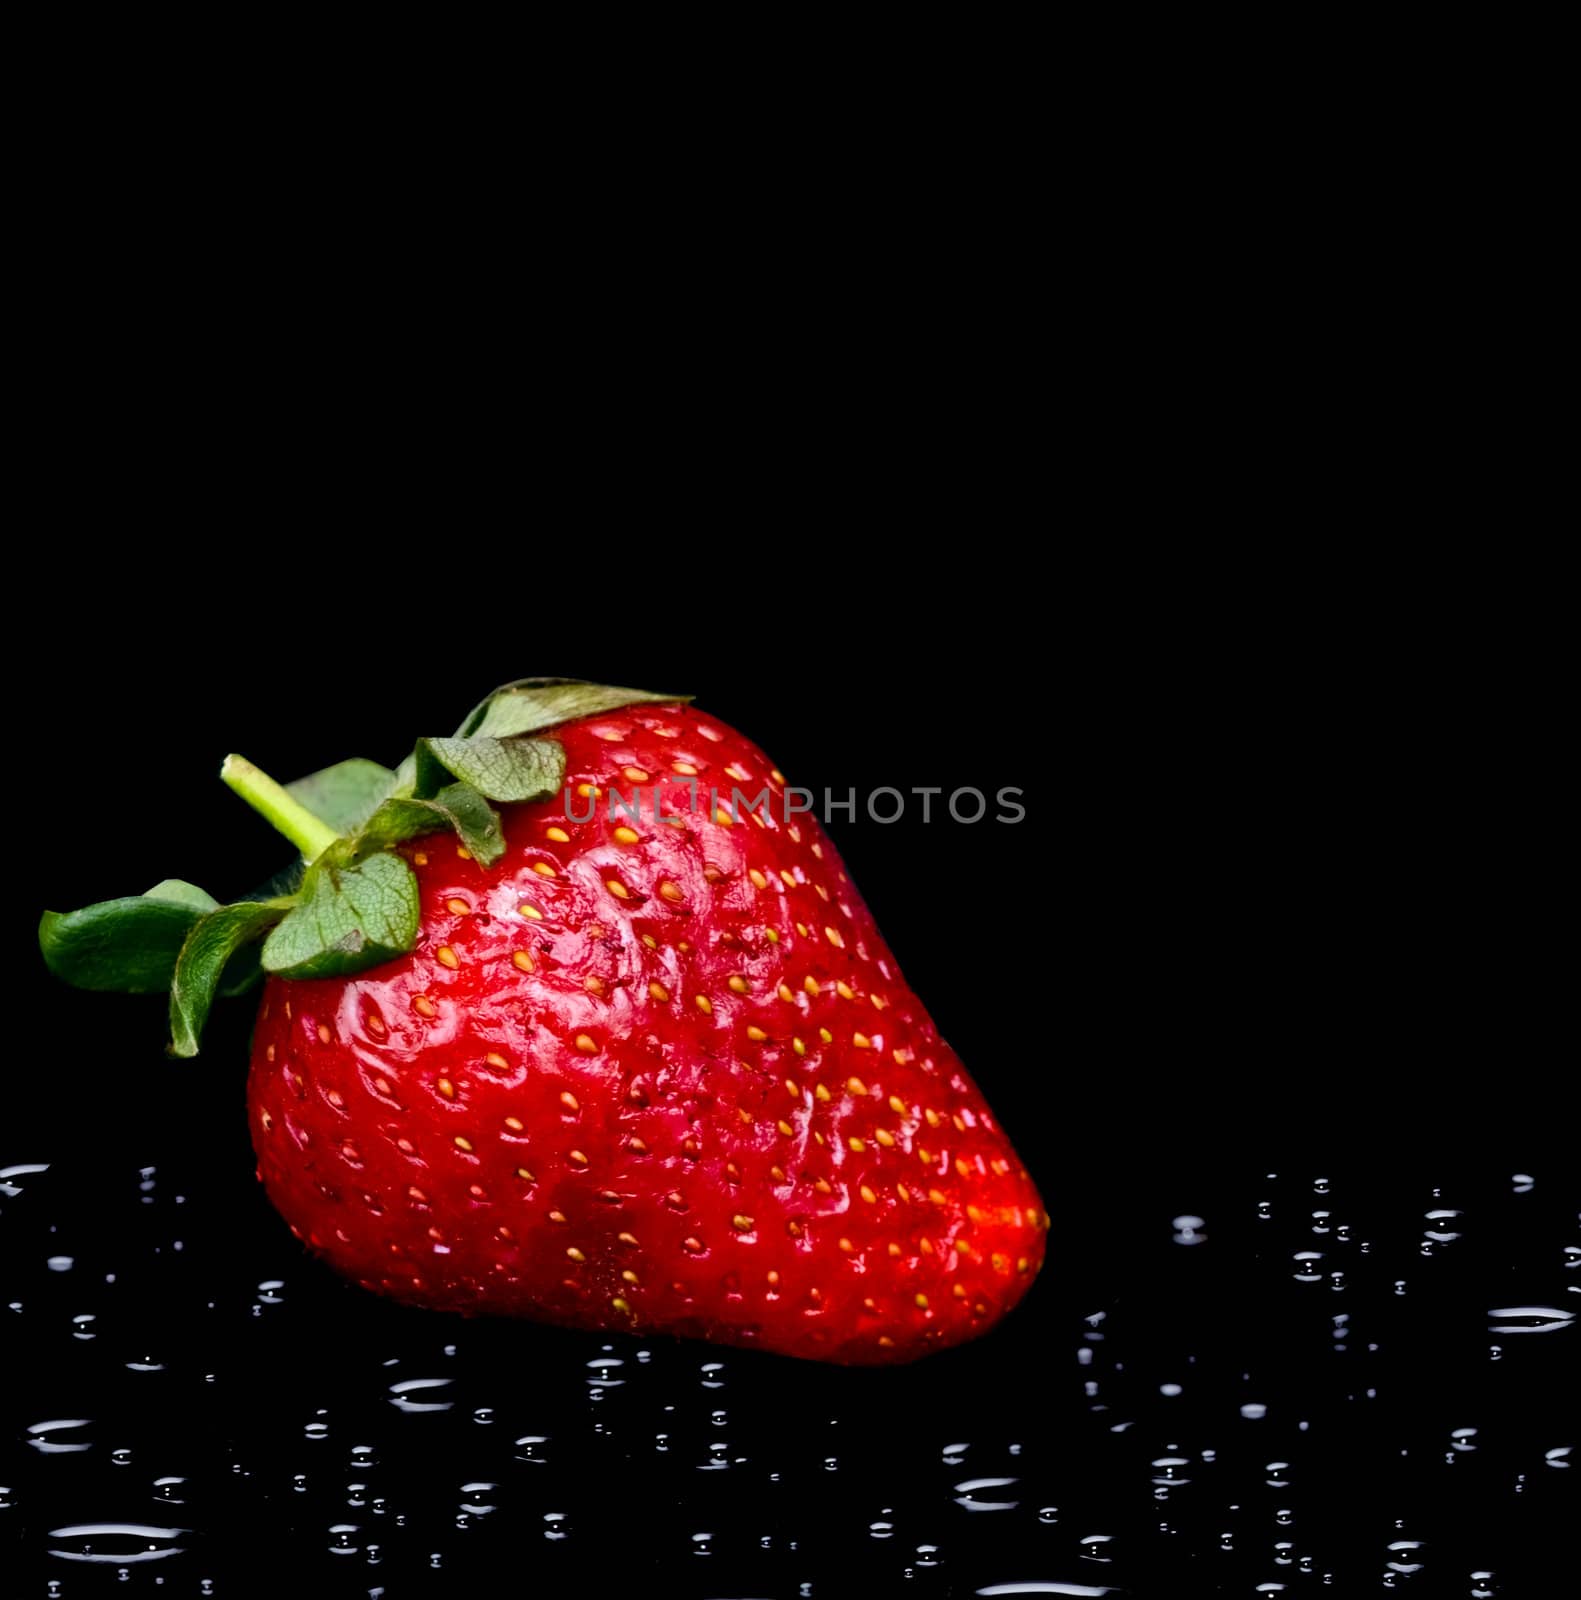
(530, 705)
(346, 794)
(457, 806)
(132, 944)
(128, 945)
(349, 917)
(178, 892)
(214, 939)
(499, 769)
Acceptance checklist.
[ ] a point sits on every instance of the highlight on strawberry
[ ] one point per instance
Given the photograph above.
(648, 1067)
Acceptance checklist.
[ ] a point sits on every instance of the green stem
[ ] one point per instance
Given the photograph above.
(310, 834)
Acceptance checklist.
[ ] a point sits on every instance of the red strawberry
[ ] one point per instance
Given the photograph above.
(648, 1075)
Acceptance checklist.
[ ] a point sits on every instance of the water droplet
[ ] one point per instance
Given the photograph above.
(1530, 1319)
(115, 1543)
(970, 1494)
(408, 1395)
(57, 1438)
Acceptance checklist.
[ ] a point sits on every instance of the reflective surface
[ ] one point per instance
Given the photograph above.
(1260, 1381)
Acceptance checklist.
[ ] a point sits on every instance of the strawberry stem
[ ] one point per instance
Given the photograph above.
(281, 810)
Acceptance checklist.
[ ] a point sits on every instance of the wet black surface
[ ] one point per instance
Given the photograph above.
(1226, 1384)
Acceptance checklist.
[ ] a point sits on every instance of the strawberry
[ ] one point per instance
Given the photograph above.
(654, 1073)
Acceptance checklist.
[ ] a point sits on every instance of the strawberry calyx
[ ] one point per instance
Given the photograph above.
(349, 901)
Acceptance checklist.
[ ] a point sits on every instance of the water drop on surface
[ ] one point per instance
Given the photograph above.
(1530, 1319)
(1095, 1547)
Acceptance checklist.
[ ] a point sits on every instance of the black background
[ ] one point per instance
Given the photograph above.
(1279, 922)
